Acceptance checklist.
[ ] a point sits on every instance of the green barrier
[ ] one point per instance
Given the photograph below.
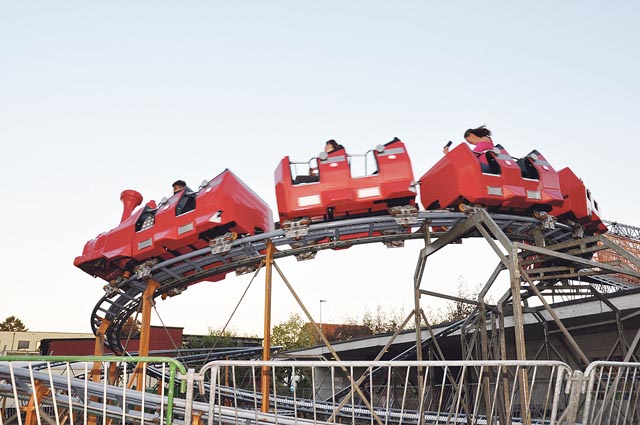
(174, 366)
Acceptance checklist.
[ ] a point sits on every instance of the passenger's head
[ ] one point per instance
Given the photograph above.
(475, 135)
(178, 185)
(331, 145)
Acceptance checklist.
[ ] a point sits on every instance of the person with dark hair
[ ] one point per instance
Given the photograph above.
(178, 185)
(479, 137)
(329, 146)
(332, 145)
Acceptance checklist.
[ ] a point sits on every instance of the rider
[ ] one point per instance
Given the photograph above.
(178, 185)
(479, 137)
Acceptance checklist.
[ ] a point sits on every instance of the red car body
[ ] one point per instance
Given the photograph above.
(503, 182)
(578, 205)
(186, 222)
(334, 193)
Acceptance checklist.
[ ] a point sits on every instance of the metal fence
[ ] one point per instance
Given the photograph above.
(138, 390)
(611, 393)
(37, 390)
(465, 392)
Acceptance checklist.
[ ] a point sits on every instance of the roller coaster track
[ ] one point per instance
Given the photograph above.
(623, 230)
(245, 254)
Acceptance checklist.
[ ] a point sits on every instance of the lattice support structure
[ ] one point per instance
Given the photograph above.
(541, 263)
(538, 269)
(611, 256)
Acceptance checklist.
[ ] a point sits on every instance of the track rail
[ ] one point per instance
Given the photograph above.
(624, 230)
(245, 254)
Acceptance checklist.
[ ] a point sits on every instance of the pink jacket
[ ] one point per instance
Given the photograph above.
(483, 146)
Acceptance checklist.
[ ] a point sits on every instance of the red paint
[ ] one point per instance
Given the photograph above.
(579, 204)
(459, 177)
(175, 232)
(336, 194)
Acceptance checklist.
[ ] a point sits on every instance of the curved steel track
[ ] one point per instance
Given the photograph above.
(246, 254)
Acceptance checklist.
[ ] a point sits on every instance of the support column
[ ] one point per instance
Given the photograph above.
(145, 330)
(266, 346)
(98, 349)
(39, 393)
(484, 337)
(417, 309)
(504, 394)
(417, 281)
(518, 328)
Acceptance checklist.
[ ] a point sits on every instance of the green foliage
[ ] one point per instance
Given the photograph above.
(346, 332)
(292, 333)
(13, 324)
(457, 310)
(382, 321)
(217, 338)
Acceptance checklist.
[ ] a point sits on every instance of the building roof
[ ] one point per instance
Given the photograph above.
(576, 315)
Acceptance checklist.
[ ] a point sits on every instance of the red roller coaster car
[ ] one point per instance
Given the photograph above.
(579, 206)
(333, 192)
(221, 209)
(503, 183)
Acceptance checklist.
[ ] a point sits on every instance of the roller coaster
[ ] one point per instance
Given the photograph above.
(225, 227)
(544, 226)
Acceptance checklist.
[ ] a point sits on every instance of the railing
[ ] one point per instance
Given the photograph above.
(138, 390)
(56, 389)
(612, 393)
(469, 392)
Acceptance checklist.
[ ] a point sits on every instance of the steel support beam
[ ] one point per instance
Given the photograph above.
(556, 319)
(578, 260)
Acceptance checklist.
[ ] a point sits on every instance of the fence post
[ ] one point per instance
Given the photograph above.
(576, 389)
(188, 396)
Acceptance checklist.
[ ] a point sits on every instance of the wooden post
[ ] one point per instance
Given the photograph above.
(145, 329)
(266, 348)
(39, 392)
(98, 350)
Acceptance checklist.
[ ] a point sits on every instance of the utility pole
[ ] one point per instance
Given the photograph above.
(321, 301)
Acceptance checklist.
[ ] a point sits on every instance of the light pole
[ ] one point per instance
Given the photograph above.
(321, 301)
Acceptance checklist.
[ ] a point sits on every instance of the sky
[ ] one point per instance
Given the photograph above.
(98, 97)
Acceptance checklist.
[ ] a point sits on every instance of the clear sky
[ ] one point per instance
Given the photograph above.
(97, 97)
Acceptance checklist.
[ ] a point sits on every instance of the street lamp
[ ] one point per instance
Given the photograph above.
(321, 301)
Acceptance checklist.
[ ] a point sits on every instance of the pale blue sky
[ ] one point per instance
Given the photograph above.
(99, 97)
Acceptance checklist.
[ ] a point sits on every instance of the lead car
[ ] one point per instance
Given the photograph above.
(222, 209)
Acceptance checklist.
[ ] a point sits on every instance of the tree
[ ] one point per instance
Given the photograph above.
(458, 310)
(349, 331)
(382, 322)
(13, 324)
(292, 333)
(217, 338)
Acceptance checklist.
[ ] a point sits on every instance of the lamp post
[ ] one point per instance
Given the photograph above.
(321, 301)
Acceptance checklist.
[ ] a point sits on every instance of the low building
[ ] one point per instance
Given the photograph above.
(14, 343)
(161, 338)
(595, 324)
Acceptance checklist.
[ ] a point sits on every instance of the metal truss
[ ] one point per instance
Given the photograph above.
(623, 230)
(542, 260)
(245, 255)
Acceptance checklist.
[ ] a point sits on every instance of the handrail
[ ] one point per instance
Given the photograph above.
(174, 368)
